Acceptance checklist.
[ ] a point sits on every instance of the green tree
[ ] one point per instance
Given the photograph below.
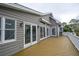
(67, 28)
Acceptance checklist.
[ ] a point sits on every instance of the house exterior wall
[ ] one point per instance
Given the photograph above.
(13, 47)
(46, 17)
(56, 26)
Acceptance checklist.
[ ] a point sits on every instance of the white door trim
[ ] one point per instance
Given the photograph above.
(45, 32)
(55, 30)
(31, 43)
(36, 34)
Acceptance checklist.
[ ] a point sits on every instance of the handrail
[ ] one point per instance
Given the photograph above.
(74, 39)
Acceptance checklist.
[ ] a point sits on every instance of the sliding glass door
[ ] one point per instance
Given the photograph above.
(30, 35)
(27, 34)
(33, 33)
(42, 33)
(47, 32)
(53, 31)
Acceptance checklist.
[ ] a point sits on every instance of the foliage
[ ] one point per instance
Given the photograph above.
(76, 31)
(74, 23)
(67, 28)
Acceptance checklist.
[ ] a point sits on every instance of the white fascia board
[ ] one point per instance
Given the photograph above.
(46, 21)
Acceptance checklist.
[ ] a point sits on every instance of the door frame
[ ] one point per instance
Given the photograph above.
(45, 32)
(55, 30)
(31, 34)
(31, 43)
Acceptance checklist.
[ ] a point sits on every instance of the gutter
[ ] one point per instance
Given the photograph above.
(21, 8)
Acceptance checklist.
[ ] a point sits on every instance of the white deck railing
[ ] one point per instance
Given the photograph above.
(74, 39)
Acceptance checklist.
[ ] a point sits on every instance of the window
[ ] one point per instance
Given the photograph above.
(9, 24)
(47, 31)
(53, 31)
(27, 34)
(9, 29)
(9, 34)
(61, 29)
(34, 33)
(42, 32)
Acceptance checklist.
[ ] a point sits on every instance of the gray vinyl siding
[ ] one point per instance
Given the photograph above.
(13, 47)
(54, 24)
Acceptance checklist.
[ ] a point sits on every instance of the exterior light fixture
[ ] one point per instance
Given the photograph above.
(21, 24)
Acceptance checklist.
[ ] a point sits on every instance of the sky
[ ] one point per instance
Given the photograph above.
(63, 12)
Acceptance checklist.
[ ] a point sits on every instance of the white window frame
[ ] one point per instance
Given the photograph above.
(45, 32)
(3, 18)
(55, 30)
(40, 32)
(48, 32)
(31, 43)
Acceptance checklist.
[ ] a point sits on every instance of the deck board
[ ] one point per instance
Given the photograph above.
(52, 46)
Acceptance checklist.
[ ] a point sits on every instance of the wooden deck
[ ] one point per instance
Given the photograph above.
(60, 46)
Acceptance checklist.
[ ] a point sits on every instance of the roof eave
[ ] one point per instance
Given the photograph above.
(47, 22)
(21, 8)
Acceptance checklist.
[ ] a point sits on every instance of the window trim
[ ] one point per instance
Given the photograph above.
(31, 43)
(3, 18)
(47, 31)
(5, 23)
(41, 38)
(55, 30)
(40, 32)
